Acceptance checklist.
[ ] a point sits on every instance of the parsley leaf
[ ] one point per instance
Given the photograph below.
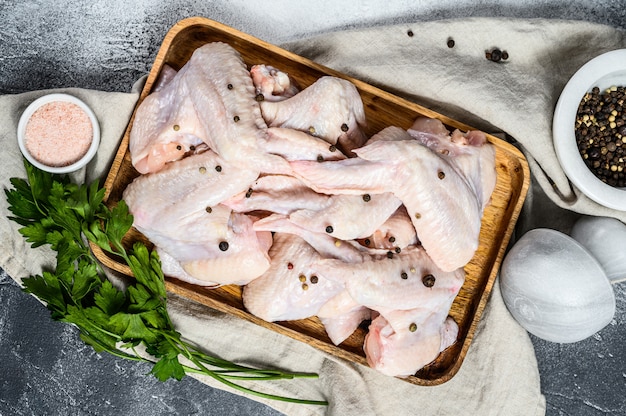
(35, 233)
(109, 299)
(47, 288)
(167, 367)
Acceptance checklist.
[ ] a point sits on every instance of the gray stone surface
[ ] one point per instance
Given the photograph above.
(46, 370)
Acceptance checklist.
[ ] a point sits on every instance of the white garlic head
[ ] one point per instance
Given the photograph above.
(605, 238)
(555, 288)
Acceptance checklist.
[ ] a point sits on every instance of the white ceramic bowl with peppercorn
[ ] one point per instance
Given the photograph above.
(58, 133)
(604, 72)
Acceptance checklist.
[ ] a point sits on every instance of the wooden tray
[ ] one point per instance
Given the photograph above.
(382, 110)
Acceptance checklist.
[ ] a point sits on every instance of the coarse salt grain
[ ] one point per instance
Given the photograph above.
(58, 133)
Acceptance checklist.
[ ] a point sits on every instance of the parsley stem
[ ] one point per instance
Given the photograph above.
(235, 386)
(121, 354)
(227, 366)
(225, 377)
(248, 377)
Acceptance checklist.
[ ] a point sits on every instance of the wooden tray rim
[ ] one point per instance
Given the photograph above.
(181, 288)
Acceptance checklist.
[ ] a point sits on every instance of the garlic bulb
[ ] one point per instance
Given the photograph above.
(555, 288)
(605, 238)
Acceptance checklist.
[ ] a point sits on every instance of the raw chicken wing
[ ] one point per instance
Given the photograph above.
(402, 352)
(178, 209)
(291, 288)
(405, 280)
(276, 193)
(298, 145)
(331, 108)
(190, 185)
(210, 100)
(444, 208)
(468, 152)
(348, 217)
(323, 243)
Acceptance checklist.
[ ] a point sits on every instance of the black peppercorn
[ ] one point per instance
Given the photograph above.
(594, 153)
(428, 280)
(496, 55)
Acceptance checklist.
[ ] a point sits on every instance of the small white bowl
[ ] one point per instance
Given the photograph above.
(38, 103)
(604, 71)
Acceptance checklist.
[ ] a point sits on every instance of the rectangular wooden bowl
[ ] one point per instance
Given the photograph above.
(382, 109)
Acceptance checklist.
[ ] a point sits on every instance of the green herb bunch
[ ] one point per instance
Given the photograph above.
(52, 210)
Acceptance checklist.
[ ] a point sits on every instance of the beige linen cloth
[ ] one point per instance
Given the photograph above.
(499, 375)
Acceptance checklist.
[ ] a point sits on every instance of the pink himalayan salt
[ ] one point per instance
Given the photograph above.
(58, 133)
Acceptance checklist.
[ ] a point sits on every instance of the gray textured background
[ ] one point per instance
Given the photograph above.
(46, 370)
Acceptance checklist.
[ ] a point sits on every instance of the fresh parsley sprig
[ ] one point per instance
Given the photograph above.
(53, 211)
